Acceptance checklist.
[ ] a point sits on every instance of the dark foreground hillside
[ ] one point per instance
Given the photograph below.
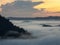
(8, 30)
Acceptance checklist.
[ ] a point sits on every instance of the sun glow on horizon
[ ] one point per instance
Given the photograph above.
(36, 0)
(49, 5)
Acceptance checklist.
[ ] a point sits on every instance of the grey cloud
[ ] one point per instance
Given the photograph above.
(19, 8)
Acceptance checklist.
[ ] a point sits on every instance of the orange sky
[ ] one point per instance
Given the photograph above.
(48, 6)
(36, 0)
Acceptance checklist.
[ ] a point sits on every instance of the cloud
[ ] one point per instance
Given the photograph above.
(25, 9)
(4, 2)
(19, 9)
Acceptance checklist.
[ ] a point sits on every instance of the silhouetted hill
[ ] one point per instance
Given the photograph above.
(7, 29)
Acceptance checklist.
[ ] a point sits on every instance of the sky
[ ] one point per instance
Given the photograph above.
(29, 8)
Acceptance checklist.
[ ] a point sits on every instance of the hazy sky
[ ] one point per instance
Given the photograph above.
(29, 8)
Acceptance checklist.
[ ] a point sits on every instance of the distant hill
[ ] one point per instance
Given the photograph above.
(36, 18)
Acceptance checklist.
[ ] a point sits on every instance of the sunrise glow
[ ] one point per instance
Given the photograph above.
(36, 0)
(49, 5)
